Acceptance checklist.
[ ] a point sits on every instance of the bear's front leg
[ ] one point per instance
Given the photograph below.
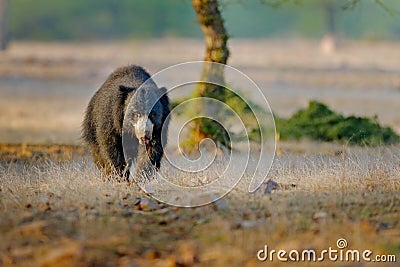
(113, 152)
(145, 168)
(155, 152)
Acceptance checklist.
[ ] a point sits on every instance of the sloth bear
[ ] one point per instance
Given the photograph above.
(128, 110)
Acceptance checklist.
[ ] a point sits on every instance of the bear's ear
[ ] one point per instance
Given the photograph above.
(126, 89)
(163, 90)
(164, 100)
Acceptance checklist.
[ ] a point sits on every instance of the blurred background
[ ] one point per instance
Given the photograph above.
(48, 20)
(56, 54)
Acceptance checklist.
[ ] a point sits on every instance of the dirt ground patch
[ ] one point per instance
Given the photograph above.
(39, 152)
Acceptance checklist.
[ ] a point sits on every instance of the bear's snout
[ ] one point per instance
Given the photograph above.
(144, 130)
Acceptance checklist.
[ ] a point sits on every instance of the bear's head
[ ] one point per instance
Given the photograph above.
(144, 113)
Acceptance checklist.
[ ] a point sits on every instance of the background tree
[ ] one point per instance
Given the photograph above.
(215, 34)
(3, 24)
(216, 42)
(91, 20)
(329, 42)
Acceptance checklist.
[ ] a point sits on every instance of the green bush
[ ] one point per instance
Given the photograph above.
(318, 122)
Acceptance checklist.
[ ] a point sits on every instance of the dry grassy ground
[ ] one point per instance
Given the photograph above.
(57, 210)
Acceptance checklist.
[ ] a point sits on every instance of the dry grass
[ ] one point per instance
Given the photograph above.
(63, 213)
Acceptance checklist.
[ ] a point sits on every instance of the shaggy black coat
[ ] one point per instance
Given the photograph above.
(104, 123)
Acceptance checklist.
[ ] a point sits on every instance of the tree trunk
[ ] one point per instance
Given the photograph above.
(329, 42)
(3, 24)
(216, 39)
(213, 29)
(330, 13)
